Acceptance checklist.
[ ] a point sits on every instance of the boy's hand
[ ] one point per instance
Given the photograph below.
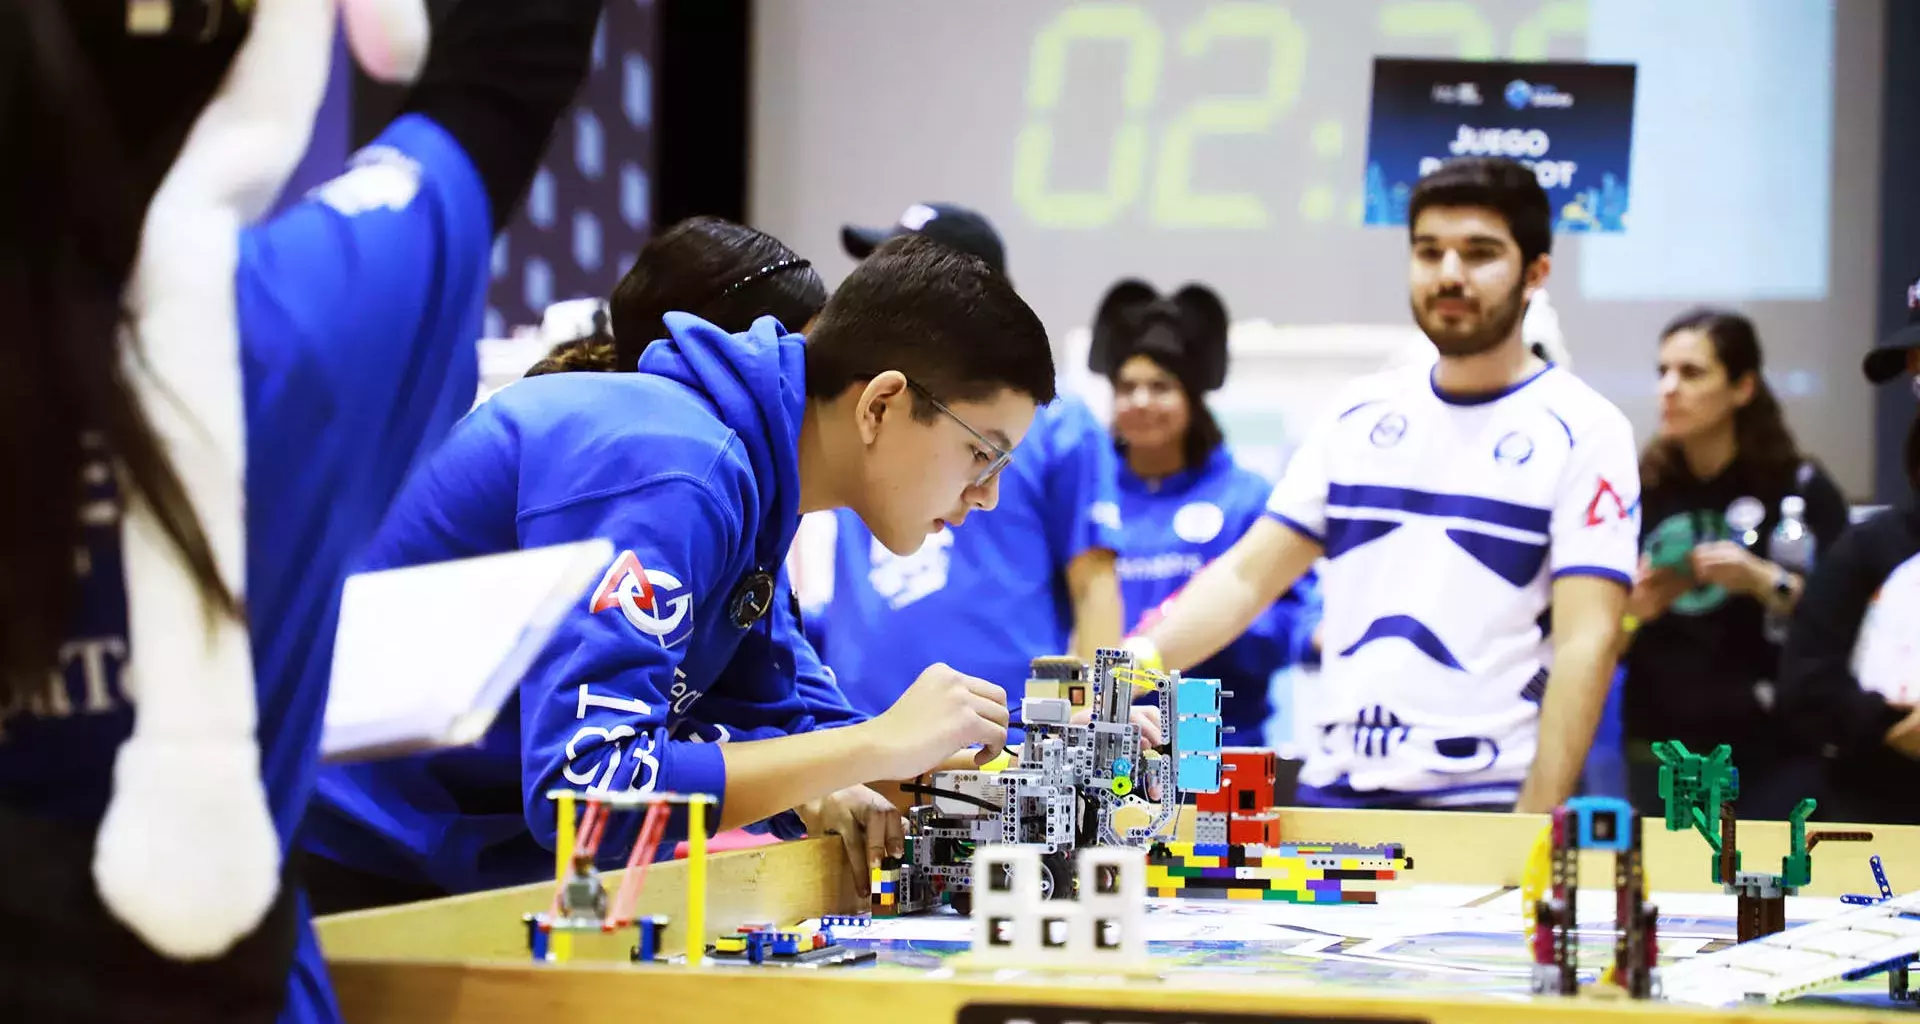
(868, 824)
(1147, 718)
(1733, 567)
(1654, 590)
(942, 712)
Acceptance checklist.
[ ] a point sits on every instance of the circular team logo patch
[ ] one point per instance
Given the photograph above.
(1198, 522)
(751, 600)
(1388, 431)
(1513, 450)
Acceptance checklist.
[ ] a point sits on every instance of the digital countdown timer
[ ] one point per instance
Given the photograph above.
(1171, 133)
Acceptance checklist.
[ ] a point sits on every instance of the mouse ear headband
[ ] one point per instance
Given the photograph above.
(1187, 332)
(188, 856)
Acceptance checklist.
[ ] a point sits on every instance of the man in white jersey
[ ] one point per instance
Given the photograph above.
(1479, 521)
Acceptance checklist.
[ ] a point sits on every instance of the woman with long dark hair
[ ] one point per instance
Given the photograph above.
(1707, 616)
(201, 417)
(1183, 499)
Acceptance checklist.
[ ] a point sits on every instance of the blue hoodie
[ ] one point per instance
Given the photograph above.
(356, 326)
(691, 468)
(1172, 527)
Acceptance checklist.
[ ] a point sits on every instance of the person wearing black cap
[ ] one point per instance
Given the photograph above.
(1033, 578)
(953, 226)
(1183, 499)
(1850, 675)
(1898, 354)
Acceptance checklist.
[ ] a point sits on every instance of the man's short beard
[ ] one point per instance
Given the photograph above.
(1496, 327)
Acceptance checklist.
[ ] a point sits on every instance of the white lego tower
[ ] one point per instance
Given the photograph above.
(1103, 930)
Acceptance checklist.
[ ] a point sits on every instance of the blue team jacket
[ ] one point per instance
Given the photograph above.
(356, 328)
(1172, 527)
(988, 596)
(691, 468)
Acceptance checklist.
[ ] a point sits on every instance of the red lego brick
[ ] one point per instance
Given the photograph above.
(1249, 779)
(1262, 829)
(1246, 831)
(1220, 802)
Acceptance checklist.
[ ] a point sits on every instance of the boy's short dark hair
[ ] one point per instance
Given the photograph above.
(942, 317)
(1495, 183)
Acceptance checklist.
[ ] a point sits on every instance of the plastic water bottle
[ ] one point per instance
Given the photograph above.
(1790, 547)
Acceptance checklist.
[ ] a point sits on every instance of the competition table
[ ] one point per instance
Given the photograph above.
(465, 958)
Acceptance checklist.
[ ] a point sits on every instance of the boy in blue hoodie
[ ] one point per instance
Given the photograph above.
(1035, 579)
(680, 671)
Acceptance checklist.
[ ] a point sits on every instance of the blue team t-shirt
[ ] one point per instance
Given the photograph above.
(1170, 529)
(358, 308)
(988, 596)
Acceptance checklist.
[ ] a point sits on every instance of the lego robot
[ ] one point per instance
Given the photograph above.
(1083, 763)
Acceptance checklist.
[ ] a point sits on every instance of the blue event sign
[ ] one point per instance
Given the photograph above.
(1572, 123)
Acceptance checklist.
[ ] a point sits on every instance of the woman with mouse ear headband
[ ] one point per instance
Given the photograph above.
(1183, 500)
(220, 406)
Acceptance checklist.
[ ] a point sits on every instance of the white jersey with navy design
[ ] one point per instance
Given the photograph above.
(1444, 523)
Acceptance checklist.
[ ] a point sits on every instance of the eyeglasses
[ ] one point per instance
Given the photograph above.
(1001, 456)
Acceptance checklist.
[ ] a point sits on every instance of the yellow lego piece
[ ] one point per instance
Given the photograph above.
(730, 944)
(1244, 894)
(886, 899)
(1046, 689)
(1001, 763)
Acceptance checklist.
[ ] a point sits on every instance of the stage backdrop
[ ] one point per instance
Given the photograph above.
(590, 206)
(1225, 141)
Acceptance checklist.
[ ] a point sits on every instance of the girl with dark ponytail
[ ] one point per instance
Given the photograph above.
(724, 273)
(1183, 499)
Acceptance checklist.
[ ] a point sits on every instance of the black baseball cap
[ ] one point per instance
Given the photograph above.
(1893, 355)
(950, 225)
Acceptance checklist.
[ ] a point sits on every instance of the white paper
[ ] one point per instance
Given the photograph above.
(425, 656)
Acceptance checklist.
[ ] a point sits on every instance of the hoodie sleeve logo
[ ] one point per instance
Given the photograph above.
(655, 603)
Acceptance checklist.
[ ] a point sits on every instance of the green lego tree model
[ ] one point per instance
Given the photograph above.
(1699, 791)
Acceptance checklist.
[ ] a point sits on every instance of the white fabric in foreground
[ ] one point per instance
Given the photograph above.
(187, 854)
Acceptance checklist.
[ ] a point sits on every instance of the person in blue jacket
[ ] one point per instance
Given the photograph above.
(1183, 499)
(727, 274)
(188, 515)
(1035, 578)
(682, 671)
